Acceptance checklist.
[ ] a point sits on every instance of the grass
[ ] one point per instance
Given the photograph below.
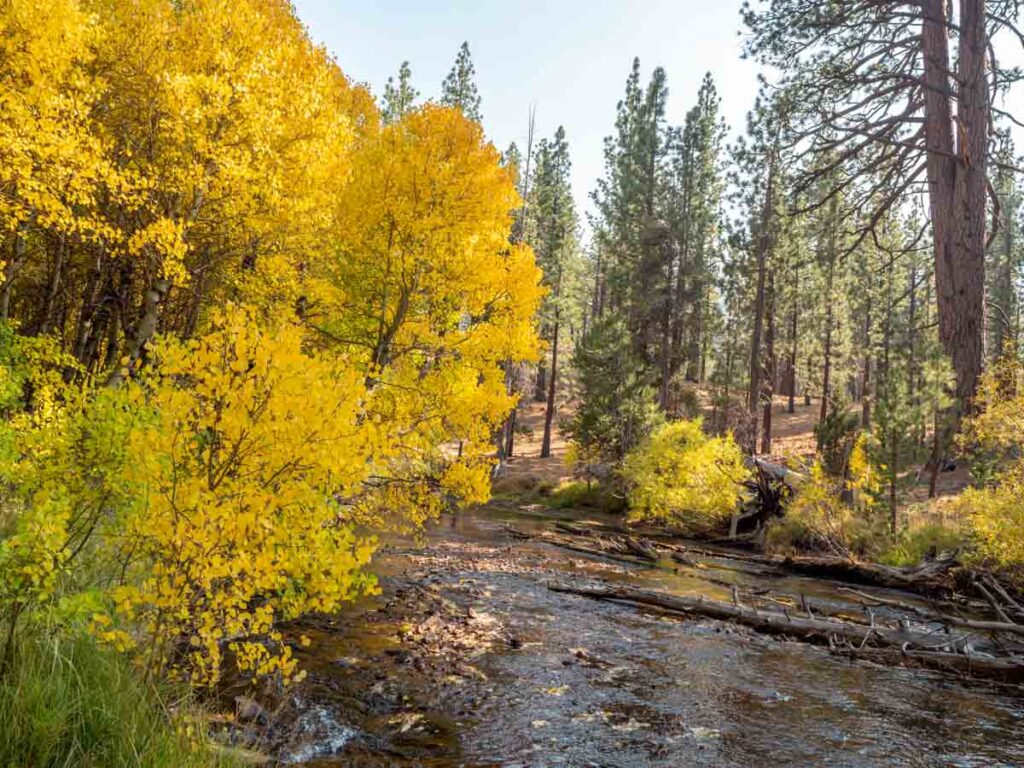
(575, 493)
(67, 703)
(915, 544)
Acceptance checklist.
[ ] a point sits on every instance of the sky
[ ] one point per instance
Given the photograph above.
(567, 58)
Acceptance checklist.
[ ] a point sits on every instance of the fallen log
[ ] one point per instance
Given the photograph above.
(611, 548)
(1006, 670)
(939, 618)
(929, 575)
(821, 631)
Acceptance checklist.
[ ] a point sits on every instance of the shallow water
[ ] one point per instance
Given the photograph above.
(646, 691)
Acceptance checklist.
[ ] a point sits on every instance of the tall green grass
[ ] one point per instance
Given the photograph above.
(67, 703)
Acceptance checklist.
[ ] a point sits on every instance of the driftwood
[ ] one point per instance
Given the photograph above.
(928, 575)
(1007, 670)
(931, 577)
(629, 549)
(937, 649)
(615, 547)
(938, 617)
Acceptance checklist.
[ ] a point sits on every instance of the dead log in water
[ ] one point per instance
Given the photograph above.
(1005, 670)
(932, 649)
(930, 575)
(926, 576)
(627, 549)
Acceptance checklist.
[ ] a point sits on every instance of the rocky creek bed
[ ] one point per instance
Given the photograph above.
(468, 658)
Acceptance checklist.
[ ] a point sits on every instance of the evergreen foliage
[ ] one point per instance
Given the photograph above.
(459, 87)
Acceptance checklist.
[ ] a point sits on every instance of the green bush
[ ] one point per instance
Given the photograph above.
(65, 701)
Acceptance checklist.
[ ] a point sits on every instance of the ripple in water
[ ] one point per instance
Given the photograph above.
(318, 734)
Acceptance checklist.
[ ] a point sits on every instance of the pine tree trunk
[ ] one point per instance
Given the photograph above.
(763, 245)
(702, 372)
(865, 404)
(956, 184)
(755, 347)
(549, 415)
(666, 349)
(826, 372)
(793, 351)
(1004, 329)
(769, 367)
(807, 389)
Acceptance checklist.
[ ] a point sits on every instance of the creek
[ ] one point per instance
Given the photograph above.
(466, 658)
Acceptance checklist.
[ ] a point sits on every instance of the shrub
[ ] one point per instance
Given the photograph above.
(836, 435)
(833, 514)
(576, 494)
(682, 475)
(994, 511)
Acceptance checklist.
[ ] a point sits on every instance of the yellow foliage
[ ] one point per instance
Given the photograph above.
(995, 510)
(339, 299)
(830, 513)
(996, 516)
(239, 469)
(683, 475)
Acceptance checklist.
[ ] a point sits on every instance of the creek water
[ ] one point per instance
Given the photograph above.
(587, 683)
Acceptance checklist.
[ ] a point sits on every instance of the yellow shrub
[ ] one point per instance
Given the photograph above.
(996, 517)
(994, 512)
(831, 513)
(682, 475)
(240, 466)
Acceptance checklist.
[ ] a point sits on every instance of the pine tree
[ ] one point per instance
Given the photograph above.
(1005, 256)
(693, 208)
(898, 95)
(617, 407)
(459, 88)
(399, 97)
(553, 232)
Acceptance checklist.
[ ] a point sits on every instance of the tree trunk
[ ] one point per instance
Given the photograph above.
(144, 329)
(540, 384)
(769, 367)
(865, 395)
(826, 373)
(666, 348)
(18, 250)
(46, 321)
(956, 184)
(794, 337)
(549, 414)
(763, 245)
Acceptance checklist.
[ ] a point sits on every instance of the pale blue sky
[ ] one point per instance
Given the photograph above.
(568, 58)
